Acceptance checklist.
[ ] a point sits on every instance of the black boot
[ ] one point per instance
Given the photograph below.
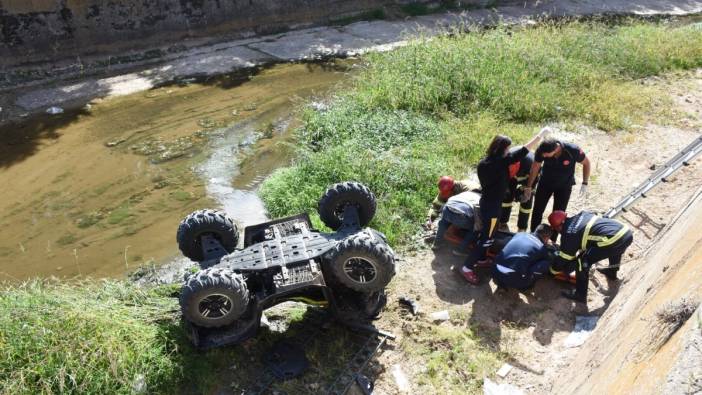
(611, 274)
(573, 295)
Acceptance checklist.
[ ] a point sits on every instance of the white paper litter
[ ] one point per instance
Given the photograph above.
(400, 379)
(492, 388)
(584, 325)
(504, 370)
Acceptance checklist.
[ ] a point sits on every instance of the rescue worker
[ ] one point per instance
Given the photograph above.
(462, 211)
(525, 259)
(557, 177)
(493, 173)
(585, 240)
(518, 178)
(447, 188)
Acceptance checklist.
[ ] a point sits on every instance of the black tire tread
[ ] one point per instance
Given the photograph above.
(214, 279)
(367, 246)
(204, 221)
(350, 191)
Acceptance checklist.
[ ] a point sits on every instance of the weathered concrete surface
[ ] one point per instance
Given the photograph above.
(311, 43)
(686, 375)
(51, 30)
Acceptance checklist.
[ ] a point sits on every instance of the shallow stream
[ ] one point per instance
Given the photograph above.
(100, 191)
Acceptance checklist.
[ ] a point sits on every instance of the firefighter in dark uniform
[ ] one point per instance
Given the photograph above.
(447, 187)
(557, 177)
(585, 240)
(518, 178)
(493, 173)
(525, 259)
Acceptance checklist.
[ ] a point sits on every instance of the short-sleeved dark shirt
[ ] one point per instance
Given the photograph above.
(560, 172)
(493, 173)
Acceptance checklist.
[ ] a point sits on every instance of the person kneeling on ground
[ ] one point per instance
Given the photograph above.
(525, 259)
(585, 240)
(463, 212)
(447, 187)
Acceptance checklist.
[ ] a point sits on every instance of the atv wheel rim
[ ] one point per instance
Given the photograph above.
(215, 306)
(360, 270)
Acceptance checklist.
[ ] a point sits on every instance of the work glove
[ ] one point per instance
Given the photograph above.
(583, 191)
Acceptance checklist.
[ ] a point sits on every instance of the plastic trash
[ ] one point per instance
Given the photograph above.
(410, 303)
(584, 325)
(504, 370)
(442, 315)
(400, 379)
(492, 388)
(54, 110)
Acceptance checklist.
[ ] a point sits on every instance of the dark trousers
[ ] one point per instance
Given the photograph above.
(511, 196)
(521, 281)
(490, 213)
(595, 254)
(462, 221)
(561, 197)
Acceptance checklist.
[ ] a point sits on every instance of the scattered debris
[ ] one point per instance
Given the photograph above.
(115, 143)
(401, 381)
(411, 304)
(584, 325)
(492, 388)
(504, 370)
(139, 385)
(54, 110)
(442, 315)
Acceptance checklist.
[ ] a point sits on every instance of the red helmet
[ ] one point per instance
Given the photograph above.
(556, 219)
(446, 184)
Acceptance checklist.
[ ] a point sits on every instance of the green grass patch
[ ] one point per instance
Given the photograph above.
(68, 238)
(431, 108)
(91, 337)
(456, 361)
(119, 215)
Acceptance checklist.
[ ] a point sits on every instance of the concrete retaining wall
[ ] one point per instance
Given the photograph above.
(50, 30)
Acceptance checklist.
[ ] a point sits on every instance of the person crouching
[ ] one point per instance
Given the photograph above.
(525, 259)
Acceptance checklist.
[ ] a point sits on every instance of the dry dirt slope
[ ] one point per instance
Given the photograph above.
(630, 352)
(529, 330)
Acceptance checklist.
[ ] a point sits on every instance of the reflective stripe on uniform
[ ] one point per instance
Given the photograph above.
(609, 241)
(565, 256)
(586, 234)
(602, 241)
(525, 210)
(507, 204)
(522, 178)
(493, 222)
(553, 271)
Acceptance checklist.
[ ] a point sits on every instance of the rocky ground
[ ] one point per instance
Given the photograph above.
(529, 330)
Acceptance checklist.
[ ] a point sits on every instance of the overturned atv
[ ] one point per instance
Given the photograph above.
(284, 260)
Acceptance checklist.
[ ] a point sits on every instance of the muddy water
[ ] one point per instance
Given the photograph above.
(100, 191)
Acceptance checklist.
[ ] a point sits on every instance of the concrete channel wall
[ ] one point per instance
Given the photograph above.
(40, 31)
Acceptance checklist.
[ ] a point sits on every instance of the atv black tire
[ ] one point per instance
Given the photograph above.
(204, 222)
(338, 196)
(362, 263)
(214, 297)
